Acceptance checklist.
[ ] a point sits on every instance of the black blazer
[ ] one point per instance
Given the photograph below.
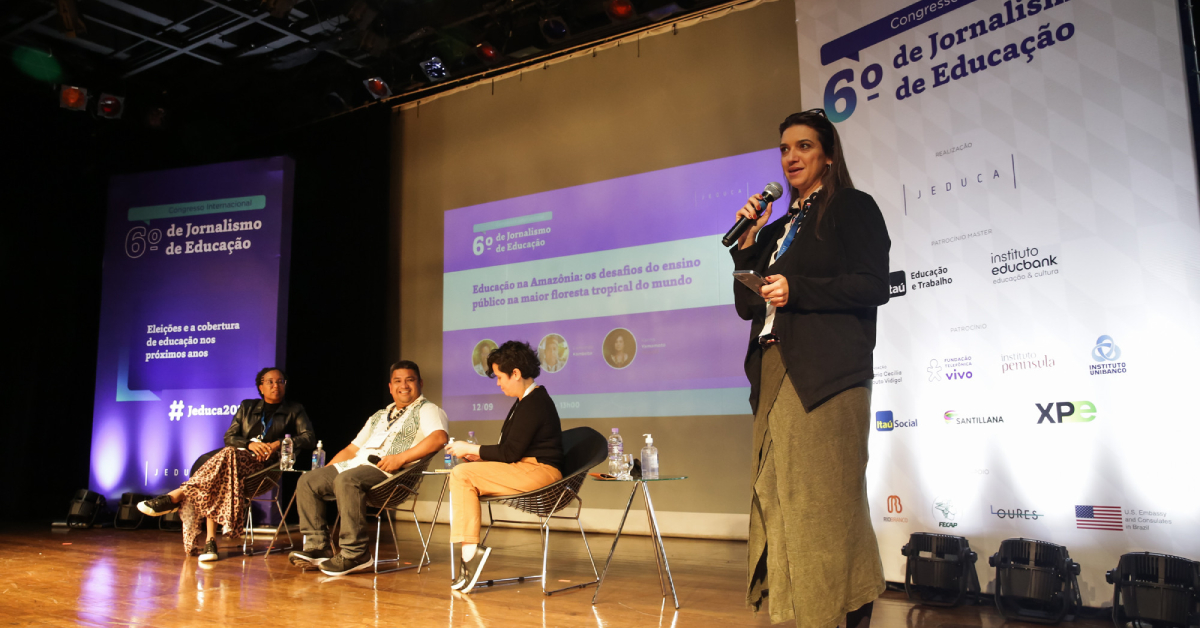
(290, 418)
(827, 329)
(532, 429)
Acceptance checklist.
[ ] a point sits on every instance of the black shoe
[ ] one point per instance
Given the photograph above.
(340, 565)
(210, 552)
(158, 506)
(310, 558)
(470, 569)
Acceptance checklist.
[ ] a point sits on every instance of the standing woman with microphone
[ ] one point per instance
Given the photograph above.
(813, 556)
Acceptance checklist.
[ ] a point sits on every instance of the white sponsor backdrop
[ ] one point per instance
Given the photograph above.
(1038, 181)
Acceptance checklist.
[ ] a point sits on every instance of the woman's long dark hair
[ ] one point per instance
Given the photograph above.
(837, 176)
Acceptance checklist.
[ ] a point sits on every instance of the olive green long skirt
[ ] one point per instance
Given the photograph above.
(813, 556)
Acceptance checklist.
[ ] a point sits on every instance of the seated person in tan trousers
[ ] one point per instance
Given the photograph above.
(526, 458)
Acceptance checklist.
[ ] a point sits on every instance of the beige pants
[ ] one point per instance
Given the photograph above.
(471, 480)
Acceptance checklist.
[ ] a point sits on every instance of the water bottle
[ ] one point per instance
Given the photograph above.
(649, 459)
(449, 460)
(616, 448)
(318, 460)
(287, 455)
(471, 439)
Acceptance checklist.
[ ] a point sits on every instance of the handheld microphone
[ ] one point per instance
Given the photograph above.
(770, 194)
(373, 459)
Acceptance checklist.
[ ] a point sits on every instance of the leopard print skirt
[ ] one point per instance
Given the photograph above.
(217, 491)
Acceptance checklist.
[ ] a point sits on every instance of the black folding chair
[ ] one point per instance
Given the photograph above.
(583, 448)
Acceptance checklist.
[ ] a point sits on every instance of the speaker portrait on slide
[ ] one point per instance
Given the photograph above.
(619, 348)
(553, 353)
(479, 355)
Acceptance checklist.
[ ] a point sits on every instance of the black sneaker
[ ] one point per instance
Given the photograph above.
(310, 558)
(340, 565)
(468, 573)
(158, 506)
(210, 552)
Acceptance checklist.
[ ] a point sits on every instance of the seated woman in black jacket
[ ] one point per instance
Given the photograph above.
(215, 490)
(526, 458)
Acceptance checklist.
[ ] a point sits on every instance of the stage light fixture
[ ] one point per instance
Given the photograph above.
(554, 29)
(73, 98)
(434, 69)
(940, 570)
(85, 508)
(620, 10)
(110, 106)
(377, 88)
(1159, 589)
(128, 516)
(1035, 581)
(487, 53)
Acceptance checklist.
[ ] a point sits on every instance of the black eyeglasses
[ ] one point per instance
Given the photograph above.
(818, 111)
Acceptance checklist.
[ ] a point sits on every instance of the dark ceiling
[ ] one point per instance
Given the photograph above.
(274, 64)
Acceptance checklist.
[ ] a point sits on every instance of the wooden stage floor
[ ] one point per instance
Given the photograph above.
(110, 577)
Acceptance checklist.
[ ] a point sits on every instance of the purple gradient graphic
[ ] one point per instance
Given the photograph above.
(690, 349)
(183, 334)
(669, 356)
(674, 204)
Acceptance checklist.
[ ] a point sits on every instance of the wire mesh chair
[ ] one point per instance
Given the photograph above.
(583, 448)
(387, 497)
(263, 486)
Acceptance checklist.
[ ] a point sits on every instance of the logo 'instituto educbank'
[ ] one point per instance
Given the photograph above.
(1108, 354)
(1018, 264)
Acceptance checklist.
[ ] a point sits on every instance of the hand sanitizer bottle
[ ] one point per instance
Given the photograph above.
(649, 459)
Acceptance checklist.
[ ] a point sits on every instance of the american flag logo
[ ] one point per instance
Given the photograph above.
(1098, 518)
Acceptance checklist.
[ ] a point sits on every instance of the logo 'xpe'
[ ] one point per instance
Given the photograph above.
(1067, 412)
(894, 504)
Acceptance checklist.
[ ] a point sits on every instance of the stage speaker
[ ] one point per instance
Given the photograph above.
(85, 507)
(171, 521)
(940, 570)
(1156, 589)
(1035, 581)
(128, 516)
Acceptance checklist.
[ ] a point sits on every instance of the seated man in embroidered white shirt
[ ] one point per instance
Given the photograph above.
(402, 433)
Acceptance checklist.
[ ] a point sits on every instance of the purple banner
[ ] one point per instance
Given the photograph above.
(673, 204)
(194, 303)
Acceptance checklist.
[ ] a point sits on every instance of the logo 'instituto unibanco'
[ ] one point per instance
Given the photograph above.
(1107, 354)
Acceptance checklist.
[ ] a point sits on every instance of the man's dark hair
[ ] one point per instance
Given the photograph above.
(512, 355)
(404, 364)
(263, 373)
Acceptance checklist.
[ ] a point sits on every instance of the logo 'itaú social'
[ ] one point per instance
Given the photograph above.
(885, 422)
